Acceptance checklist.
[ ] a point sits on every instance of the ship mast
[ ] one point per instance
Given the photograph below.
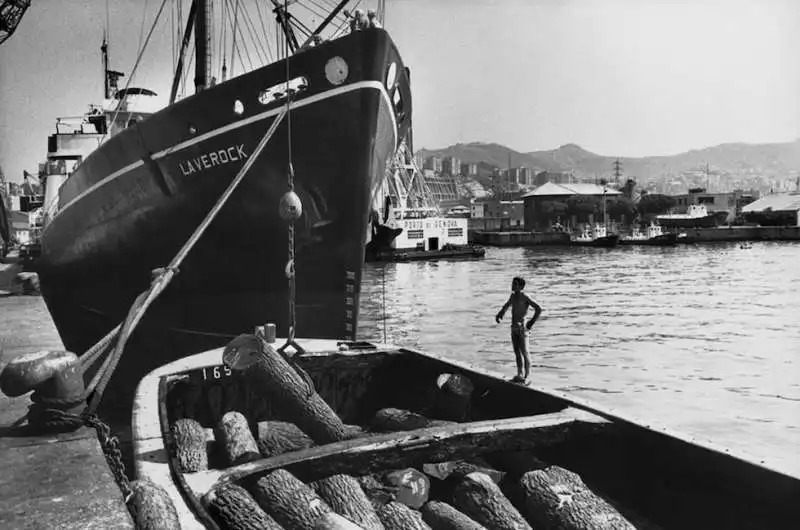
(202, 38)
(187, 35)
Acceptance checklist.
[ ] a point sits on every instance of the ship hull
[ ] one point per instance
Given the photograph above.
(690, 222)
(134, 202)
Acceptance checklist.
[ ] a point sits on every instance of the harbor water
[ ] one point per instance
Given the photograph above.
(703, 339)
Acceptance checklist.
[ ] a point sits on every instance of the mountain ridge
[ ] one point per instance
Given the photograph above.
(777, 159)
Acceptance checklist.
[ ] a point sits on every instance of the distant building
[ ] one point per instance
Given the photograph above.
(552, 192)
(469, 170)
(451, 165)
(434, 163)
(519, 175)
(730, 202)
(544, 177)
(782, 209)
(504, 214)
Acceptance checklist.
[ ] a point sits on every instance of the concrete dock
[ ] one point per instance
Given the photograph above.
(520, 238)
(58, 481)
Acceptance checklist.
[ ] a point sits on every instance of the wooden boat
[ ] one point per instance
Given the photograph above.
(468, 444)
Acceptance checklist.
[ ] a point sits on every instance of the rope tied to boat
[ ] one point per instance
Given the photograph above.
(50, 411)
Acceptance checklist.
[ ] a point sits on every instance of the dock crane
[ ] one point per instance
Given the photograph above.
(11, 12)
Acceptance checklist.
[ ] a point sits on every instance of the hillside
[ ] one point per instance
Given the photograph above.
(735, 160)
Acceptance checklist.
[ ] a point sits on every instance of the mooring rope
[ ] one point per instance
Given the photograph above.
(161, 279)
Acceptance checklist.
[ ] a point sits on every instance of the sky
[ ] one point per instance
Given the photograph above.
(617, 77)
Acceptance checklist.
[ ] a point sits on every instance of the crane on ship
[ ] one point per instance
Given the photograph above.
(405, 187)
(11, 12)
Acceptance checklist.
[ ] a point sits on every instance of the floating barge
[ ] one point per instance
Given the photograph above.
(451, 252)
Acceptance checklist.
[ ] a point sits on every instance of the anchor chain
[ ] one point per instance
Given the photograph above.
(109, 443)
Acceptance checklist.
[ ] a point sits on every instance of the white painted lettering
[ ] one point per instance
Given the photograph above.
(233, 153)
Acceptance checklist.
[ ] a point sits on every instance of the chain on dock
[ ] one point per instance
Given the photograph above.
(51, 412)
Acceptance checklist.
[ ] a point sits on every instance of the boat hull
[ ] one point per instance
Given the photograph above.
(134, 202)
(662, 240)
(644, 469)
(707, 221)
(603, 242)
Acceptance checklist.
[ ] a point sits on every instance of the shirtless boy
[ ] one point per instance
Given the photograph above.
(519, 303)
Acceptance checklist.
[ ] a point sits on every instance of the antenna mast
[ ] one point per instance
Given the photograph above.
(617, 170)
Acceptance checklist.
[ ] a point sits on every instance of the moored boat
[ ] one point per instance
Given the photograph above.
(325, 118)
(594, 236)
(405, 427)
(654, 235)
(696, 216)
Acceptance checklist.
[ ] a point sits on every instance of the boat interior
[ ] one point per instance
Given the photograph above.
(654, 478)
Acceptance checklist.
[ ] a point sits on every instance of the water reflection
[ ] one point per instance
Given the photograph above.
(703, 338)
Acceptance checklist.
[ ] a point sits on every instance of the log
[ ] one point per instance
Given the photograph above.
(442, 516)
(355, 431)
(481, 499)
(278, 437)
(334, 521)
(238, 443)
(233, 508)
(556, 498)
(191, 449)
(345, 497)
(394, 420)
(397, 516)
(453, 397)
(152, 506)
(448, 475)
(292, 503)
(289, 392)
(414, 449)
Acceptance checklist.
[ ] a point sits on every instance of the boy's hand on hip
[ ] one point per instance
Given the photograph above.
(498, 318)
(530, 325)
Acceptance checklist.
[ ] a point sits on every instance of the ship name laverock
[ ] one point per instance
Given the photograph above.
(215, 158)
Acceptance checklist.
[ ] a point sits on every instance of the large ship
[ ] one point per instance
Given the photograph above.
(129, 207)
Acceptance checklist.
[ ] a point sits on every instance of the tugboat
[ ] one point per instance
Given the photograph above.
(595, 236)
(654, 235)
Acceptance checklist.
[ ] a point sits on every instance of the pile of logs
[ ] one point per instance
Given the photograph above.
(553, 498)
(458, 495)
